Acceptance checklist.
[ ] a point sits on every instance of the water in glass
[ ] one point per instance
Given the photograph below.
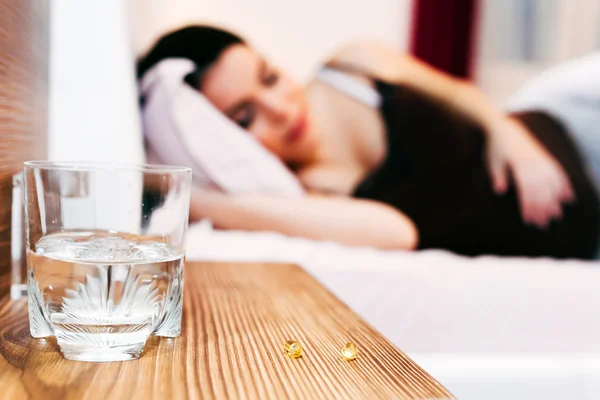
(102, 293)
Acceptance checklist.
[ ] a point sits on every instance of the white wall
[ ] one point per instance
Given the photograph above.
(513, 49)
(296, 34)
(93, 107)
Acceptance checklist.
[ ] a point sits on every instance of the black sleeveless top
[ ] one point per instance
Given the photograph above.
(435, 173)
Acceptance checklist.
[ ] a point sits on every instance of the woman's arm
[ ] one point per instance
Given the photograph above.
(347, 221)
(390, 65)
(541, 182)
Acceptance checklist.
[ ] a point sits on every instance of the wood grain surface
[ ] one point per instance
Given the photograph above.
(24, 48)
(236, 319)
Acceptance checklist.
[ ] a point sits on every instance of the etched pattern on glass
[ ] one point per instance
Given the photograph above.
(101, 294)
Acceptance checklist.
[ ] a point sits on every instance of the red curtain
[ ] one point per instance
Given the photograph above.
(443, 34)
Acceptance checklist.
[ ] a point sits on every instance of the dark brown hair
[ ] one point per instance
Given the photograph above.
(201, 44)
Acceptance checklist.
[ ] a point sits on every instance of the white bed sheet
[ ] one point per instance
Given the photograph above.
(435, 301)
(479, 325)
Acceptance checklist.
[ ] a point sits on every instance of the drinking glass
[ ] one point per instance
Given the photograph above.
(105, 252)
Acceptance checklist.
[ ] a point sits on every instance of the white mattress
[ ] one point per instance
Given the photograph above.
(444, 310)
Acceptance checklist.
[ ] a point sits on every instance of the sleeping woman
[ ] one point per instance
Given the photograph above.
(393, 154)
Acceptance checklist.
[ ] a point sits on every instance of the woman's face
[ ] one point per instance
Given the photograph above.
(264, 101)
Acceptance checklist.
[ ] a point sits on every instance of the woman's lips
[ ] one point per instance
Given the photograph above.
(298, 129)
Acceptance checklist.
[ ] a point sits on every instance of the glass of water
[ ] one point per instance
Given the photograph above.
(105, 253)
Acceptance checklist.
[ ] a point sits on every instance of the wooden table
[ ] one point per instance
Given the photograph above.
(236, 319)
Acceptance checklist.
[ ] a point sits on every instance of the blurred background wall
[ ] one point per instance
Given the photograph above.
(295, 34)
(518, 39)
(93, 108)
(93, 91)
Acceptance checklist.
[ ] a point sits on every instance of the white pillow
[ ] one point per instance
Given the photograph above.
(182, 127)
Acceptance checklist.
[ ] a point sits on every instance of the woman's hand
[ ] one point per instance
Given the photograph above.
(541, 182)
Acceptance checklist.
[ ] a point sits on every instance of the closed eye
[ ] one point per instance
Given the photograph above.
(245, 116)
(271, 79)
(268, 76)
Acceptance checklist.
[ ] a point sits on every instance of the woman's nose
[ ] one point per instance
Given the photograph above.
(276, 106)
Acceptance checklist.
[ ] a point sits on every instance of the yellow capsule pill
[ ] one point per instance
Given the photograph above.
(349, 351)
(293, 349)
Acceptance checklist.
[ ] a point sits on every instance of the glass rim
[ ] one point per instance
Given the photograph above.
(105, 166)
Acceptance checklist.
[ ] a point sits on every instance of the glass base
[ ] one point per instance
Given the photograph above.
(108, 354)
